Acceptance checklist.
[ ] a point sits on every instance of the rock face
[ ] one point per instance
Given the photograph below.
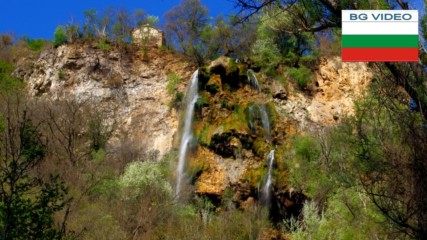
(337, 86)
(237, 125)
(230, 119)
(131, 85)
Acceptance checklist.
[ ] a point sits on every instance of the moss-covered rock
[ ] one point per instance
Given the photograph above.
(261, 148)
(214, 84)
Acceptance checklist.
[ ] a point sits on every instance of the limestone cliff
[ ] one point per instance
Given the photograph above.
(230, 127)
(131, 84)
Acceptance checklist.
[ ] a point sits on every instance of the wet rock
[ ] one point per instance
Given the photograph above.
(281, 94)
(225, 144)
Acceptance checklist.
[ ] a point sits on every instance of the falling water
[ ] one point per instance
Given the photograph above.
(260, 112)
(265, 122)
(187, 135)
(266, 188)
(253, 81)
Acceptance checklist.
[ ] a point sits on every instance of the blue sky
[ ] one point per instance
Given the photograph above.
(39, 18)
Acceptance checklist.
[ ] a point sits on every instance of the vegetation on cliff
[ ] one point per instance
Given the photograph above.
(68, 171)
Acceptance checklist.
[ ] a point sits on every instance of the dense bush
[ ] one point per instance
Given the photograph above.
(302, 76)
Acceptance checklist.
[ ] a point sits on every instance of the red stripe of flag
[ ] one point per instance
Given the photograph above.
(379, 54)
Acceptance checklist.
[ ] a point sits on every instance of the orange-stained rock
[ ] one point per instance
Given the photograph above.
(212, 179)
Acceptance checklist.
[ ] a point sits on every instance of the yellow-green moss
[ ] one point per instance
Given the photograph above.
(204, 133)
(237, 120)
(254, 175)
(196, 166)
(260, 147)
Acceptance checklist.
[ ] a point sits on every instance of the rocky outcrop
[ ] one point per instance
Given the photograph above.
(336, 87)
(131, 84)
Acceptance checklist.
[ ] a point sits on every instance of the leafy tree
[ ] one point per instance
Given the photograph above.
(187, 25)
(391, 148)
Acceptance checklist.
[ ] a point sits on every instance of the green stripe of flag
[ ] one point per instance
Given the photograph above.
(379, 41)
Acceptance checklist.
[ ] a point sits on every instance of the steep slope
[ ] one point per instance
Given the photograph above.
(130, 83)
(240, 126)
(238, 121)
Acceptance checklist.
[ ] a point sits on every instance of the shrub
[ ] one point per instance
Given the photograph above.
(35, 44)
(60, 75)
(103, 44)
(177, 100)
(60, 37)
(7, 82)
(301, 75)
(173, 81)
(142, 176)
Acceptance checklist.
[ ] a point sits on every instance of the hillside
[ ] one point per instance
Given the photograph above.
(230, 162)
(247, 125)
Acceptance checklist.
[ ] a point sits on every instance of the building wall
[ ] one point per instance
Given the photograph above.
(148, 36)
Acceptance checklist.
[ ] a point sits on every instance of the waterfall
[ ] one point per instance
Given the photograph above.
(266, 188)
(265, 121)
(187, 134)
(253, 81)
(257, 111)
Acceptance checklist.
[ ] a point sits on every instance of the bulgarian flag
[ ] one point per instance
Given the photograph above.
(379, 36)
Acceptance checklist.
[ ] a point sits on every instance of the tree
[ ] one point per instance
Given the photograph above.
(314, 16)
(122, 26)
(72, 32)
(186, 25)
(391, 150)
(97, 26)
(27, 202)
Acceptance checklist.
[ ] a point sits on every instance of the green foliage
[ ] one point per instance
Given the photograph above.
(61, 75)
(99, 131)
(98, 156)
(59, 36)
(141, 176)
(103, 44)
(350, 215)
(266, 54)
(278, 41)
(188, 28)
(122, 27)
(301, 75)
(203, 101)
(27, 203)
(306, 158)
(35, 44)
(177, 99)
(173, 81)
(7, 82)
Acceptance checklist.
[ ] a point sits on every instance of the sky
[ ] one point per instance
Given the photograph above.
(39, 18)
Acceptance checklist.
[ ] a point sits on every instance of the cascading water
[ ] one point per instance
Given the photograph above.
(187, 134)
(253, 81)
(266, 188)
(265, 121)
(260, 112)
